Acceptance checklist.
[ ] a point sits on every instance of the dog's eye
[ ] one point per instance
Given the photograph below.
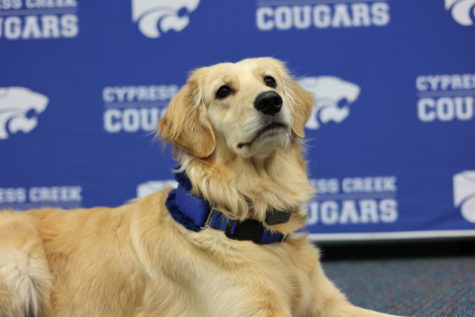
(223, 92)
(270, 81)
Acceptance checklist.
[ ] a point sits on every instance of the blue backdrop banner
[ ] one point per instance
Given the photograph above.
(391, 138)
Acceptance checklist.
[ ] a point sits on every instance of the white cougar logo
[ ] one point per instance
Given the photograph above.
(333, 97)
(464, 194)
(19, 108)
(463, 11)
(160, 16)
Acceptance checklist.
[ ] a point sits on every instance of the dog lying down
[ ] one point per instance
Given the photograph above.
(222, 244)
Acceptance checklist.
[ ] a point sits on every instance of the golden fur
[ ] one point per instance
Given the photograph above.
(135, 260)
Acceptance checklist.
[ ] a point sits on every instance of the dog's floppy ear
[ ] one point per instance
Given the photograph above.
(185, 123)
(302, 107)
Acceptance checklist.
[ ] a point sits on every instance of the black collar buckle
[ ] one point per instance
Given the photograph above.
(248, 229)
(276, 217)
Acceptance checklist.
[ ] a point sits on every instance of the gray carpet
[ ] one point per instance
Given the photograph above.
(429, 287)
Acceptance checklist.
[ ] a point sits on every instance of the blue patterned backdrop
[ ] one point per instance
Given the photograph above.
(391, 139)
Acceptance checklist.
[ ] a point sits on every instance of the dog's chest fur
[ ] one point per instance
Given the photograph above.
(211, 275)
(236, 277)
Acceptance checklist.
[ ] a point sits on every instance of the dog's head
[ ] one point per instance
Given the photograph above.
(248, 109)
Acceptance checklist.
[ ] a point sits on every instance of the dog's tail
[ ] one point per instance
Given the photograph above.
(25, 281)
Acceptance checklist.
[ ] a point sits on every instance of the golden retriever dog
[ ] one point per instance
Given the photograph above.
(237, 131)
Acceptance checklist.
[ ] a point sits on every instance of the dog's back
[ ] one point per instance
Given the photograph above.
(25, 281)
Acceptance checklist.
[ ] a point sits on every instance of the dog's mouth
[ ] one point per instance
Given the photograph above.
(272, 126)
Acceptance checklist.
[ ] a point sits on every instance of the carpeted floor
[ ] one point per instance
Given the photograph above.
(429, 287)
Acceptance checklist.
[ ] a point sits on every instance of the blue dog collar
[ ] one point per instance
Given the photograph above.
(195, 214)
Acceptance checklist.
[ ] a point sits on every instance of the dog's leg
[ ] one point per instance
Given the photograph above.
(267, 303)
(25, 281)
(271, 314)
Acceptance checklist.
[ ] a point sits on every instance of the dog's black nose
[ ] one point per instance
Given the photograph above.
(268, 102)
